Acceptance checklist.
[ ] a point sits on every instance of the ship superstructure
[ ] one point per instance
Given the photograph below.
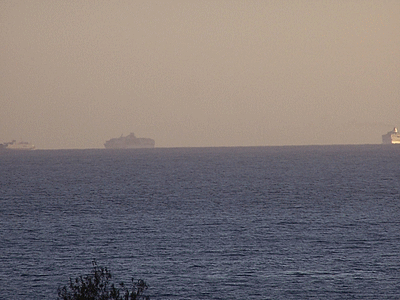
(392, 137)
(129, 142)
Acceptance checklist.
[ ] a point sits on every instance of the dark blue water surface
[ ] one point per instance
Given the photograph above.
(307, 222)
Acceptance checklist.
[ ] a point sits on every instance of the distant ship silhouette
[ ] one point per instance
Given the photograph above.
(129, 142)
(17, 146)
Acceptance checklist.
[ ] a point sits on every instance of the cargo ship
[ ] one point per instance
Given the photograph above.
(129, 142)
(17, 146)
(392, 137)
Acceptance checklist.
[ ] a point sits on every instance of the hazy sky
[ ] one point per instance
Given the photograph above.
(196, 73)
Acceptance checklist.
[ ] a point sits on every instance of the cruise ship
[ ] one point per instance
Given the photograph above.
(17, 146)
(392, 137)
(129, 142)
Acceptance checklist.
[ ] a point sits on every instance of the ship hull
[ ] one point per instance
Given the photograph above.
(127, 146)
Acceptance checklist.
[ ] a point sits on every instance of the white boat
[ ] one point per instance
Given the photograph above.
(17, 146)
(392, 137)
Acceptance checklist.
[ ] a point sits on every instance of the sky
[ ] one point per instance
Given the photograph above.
(199, 73)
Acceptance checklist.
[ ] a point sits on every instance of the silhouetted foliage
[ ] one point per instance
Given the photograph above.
(98, 286)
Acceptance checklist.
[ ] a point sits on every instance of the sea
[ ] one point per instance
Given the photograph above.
(288, 222)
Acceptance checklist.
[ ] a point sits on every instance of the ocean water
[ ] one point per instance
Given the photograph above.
(306, 222)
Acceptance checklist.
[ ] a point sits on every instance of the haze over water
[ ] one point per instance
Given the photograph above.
(74, 74)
